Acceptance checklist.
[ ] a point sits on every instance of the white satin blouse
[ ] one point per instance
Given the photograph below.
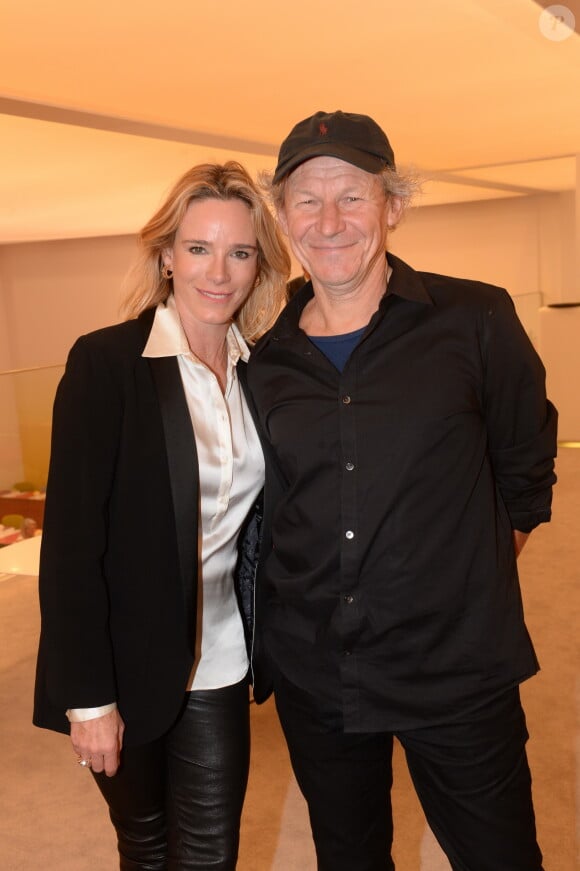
(231, 474)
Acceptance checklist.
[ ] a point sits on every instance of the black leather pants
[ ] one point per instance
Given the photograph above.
(176, 803)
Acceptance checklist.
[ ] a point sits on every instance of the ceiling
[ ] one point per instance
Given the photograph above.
(103, 104)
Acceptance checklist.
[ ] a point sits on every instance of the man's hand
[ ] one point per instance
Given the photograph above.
(100, 741)
(520, 539)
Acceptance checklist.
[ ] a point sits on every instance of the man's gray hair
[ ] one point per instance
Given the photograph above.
(402, 184)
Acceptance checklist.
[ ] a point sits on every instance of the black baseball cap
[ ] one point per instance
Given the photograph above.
(355, 138)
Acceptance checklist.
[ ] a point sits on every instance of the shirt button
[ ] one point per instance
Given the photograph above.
(349, 534)
(349, 467)
(346, 400)
(346, 652)
(349, 599)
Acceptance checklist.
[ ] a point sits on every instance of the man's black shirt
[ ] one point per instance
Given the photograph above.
(391, 592)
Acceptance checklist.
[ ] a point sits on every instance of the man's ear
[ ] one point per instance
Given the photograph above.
(282, 219)
(394, 211)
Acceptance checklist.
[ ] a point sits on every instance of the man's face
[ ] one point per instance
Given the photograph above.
(336, 218)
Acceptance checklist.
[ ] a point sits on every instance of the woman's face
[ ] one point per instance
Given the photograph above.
(214, 258)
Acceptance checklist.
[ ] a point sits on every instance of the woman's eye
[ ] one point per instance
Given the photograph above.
(241, 255)
(197, 249)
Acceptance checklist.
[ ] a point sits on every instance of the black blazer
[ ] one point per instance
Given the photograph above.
(118, 566)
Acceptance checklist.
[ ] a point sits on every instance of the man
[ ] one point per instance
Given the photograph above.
(411, 453)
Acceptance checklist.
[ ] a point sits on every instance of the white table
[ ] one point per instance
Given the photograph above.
(21, 558)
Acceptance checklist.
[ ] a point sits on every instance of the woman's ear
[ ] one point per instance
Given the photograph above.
(167, 257)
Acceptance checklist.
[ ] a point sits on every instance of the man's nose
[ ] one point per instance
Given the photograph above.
(330, 219)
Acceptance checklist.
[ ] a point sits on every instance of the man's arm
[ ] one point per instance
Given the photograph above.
(520, 539)
(521, 423)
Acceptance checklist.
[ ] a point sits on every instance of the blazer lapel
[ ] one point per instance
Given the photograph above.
(272, 464)
(183, 473)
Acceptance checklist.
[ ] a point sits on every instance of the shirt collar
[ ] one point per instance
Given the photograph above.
(404, 282)
(167, 337)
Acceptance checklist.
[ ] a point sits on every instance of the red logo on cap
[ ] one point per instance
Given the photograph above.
(322, 128)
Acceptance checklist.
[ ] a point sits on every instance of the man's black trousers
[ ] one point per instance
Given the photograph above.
(472, 778)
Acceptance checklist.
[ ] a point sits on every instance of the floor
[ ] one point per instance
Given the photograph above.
(52, 819)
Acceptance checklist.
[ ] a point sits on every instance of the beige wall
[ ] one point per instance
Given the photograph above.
(560, 342)
(51, 292)
(34, 397)
(10, 449)
(55, 291)
(525, 244)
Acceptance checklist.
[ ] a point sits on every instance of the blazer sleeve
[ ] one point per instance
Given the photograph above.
(75, 648)
(521, 421)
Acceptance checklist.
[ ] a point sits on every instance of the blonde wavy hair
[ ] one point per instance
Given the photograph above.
(146, 286)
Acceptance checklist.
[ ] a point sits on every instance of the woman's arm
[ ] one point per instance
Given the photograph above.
(75, 643)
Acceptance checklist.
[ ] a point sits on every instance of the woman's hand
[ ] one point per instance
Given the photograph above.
(100, 741)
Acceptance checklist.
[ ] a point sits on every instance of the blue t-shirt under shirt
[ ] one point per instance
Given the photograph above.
(338, 348)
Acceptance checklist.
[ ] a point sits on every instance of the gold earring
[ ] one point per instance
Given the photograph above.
(166, 272)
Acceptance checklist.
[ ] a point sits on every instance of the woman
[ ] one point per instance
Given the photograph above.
(155, 467)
